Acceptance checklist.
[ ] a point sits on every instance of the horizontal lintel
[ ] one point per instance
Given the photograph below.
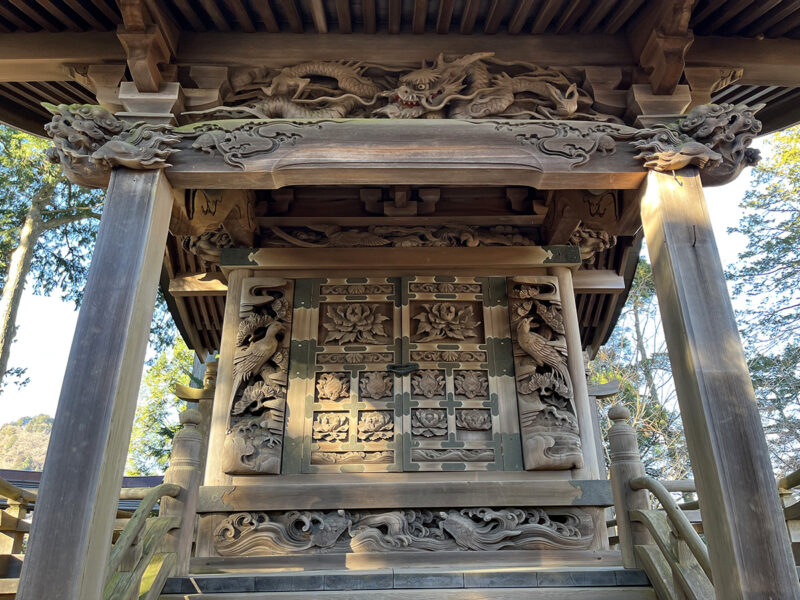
(480, 261)
(423, 490)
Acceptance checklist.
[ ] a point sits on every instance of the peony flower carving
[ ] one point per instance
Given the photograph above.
(445, 321)
(375, 426)
(333, 386)
(331, 427)
(473, 419)
(428, 383)
(429, 422)
(376, 385)
(471, 384)
(356, 322)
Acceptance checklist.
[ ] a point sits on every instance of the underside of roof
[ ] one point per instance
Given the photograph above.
(79, 51)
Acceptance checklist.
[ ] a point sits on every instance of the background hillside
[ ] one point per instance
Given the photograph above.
(23, 443)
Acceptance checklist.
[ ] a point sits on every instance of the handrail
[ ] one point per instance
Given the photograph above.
(790, 481)
(692, 539)
(136, 524)
(14, 493)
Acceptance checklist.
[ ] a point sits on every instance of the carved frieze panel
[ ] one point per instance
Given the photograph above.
(549, 427)
(254, 441)
(418, 530)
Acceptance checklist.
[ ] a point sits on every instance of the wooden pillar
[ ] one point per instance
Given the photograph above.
(77, 501)
(577, 371)
(746, 534)
(626, 464)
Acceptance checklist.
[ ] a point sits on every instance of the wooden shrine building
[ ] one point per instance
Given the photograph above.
(403, 226)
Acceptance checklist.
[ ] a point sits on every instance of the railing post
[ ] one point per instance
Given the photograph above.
(184, 470)
(626, 464)
(11, 541)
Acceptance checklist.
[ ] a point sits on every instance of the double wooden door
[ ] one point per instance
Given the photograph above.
(401, 374)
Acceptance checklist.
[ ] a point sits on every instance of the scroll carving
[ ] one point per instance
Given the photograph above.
(549, 426)
(254, 441)
(466, 529)
(88, 141)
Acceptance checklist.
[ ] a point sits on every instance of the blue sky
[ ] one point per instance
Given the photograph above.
(46, 325)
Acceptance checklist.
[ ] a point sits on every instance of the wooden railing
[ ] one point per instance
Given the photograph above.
(14, 525)
(662, 542)
(134, 554)
(152, 548)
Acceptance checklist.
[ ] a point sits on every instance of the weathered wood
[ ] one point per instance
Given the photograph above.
(184, 470)
(569, 593)
(505, 559)
(626, 464)
(199, 284)
(89, 442)
(598, 281)
(221, 406)
(747, 537)
(577, 372)
(313, 262)
(431, 489)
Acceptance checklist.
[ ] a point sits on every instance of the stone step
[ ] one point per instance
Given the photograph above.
(600, 583)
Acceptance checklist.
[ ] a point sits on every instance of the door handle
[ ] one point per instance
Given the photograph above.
(403, 369)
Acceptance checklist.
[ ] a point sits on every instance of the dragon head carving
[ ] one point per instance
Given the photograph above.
(429, 89)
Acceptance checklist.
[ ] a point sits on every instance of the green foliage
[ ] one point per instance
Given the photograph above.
(635, 356)
(157, 411)
(67, 219)
(23, 443)
(767, 289)
(69, 215)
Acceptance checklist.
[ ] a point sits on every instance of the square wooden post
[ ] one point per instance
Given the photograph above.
(77, 502)
(748, 543)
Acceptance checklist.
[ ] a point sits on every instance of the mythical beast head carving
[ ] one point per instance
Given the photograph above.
(428, 90)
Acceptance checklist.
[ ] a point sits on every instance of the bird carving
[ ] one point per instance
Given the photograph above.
(544, 352)
(253, 357)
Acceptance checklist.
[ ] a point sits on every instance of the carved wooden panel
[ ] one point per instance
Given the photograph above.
(254, 440)
(401, 374)
(549, 426)
(451, 418)
(349, 397)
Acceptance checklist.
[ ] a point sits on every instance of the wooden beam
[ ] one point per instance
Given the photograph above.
(598, 281)
(395, 16)
(445, 16)
(318, 15)
(199, 284)
(420, 16)
(314, 262)
(262, 49)
(468, 16)
(89, 442)
(495, 14)
(353, 491)
(517, 21)
(764, 62)
(343, 16)
(368, 16)
(746, 534)
(292, 15)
